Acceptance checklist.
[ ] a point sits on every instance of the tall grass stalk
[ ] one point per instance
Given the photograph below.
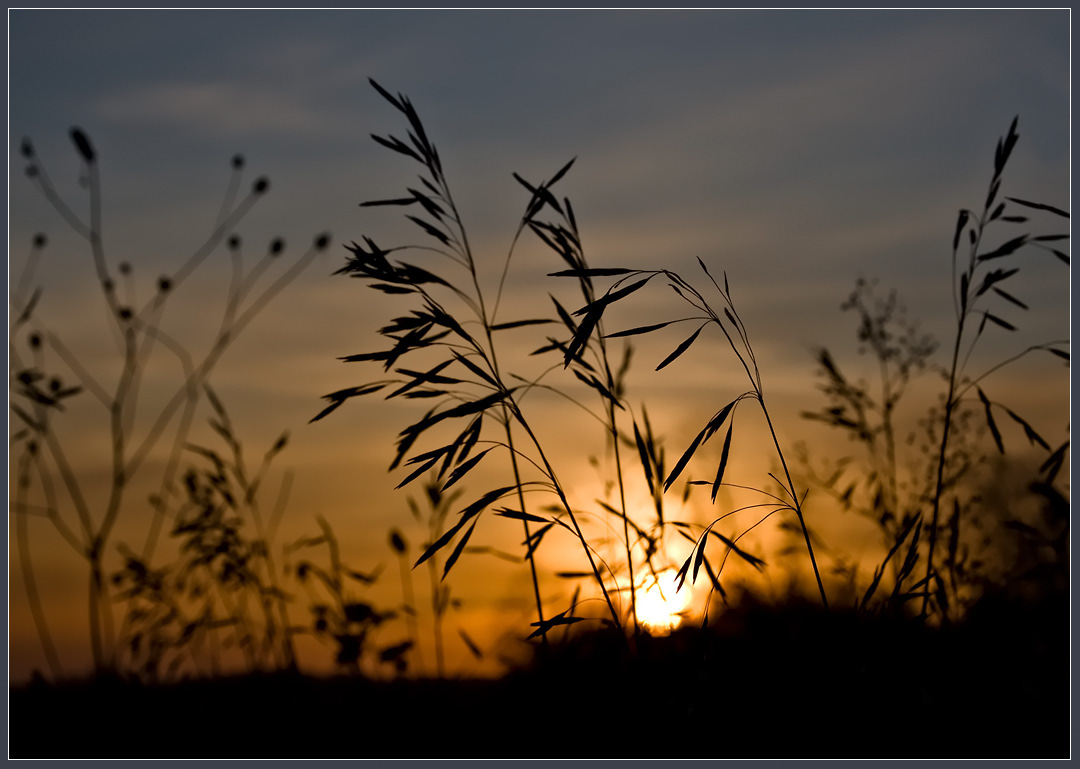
(476, 362)
(968, 293)
(560, 234)
(408, 593)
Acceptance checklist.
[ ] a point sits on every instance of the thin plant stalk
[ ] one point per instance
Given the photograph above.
(408, 595)
(436, 617)
(29, 581)
(565, 240)
(487, 322)
(796, 503)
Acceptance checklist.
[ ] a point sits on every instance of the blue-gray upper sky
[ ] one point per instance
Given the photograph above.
(822, 142)
(795, 150)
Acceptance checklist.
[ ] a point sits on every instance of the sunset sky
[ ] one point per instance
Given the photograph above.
(797, 151)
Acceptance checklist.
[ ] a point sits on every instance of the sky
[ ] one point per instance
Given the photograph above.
(795, 150)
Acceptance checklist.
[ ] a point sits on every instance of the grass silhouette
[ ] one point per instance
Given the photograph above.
(467, 360)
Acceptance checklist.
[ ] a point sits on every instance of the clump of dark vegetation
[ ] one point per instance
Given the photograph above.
(223, 592)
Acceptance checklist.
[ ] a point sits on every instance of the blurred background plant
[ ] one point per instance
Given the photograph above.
(144, 438)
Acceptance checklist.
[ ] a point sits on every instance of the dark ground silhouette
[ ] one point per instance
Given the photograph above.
(765, 681)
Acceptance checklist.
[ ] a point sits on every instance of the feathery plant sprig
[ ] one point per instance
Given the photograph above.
(875, 489)
(734, 330)
(468, 382)
(180, 609)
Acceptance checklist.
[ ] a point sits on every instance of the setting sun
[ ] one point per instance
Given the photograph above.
(660, 607)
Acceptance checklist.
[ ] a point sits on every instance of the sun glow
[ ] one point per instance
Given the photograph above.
(660, 607)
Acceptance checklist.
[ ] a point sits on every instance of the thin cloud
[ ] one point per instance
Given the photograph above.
(221, 110)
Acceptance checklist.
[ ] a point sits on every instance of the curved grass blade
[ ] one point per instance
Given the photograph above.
(463, 469)
(723, 463)
(1040, 207)
(639, 330)
(681, 348)
(458, 549)
(990, 420)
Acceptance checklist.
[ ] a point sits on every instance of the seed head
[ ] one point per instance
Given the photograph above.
(31, 171)
(39, 241)
(54, 384)
(125, 268)
(237, 161)
(397, 541)
(262, 184)
(124, 313)
(35, 341)
(82, 145)
(26, 148)
(234, 242)
(277, 245)
(322, 241)
(164, 284)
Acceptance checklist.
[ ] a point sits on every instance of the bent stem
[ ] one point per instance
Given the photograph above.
(796, 504)
(562, 237)
(530, 552)
(570, 513)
